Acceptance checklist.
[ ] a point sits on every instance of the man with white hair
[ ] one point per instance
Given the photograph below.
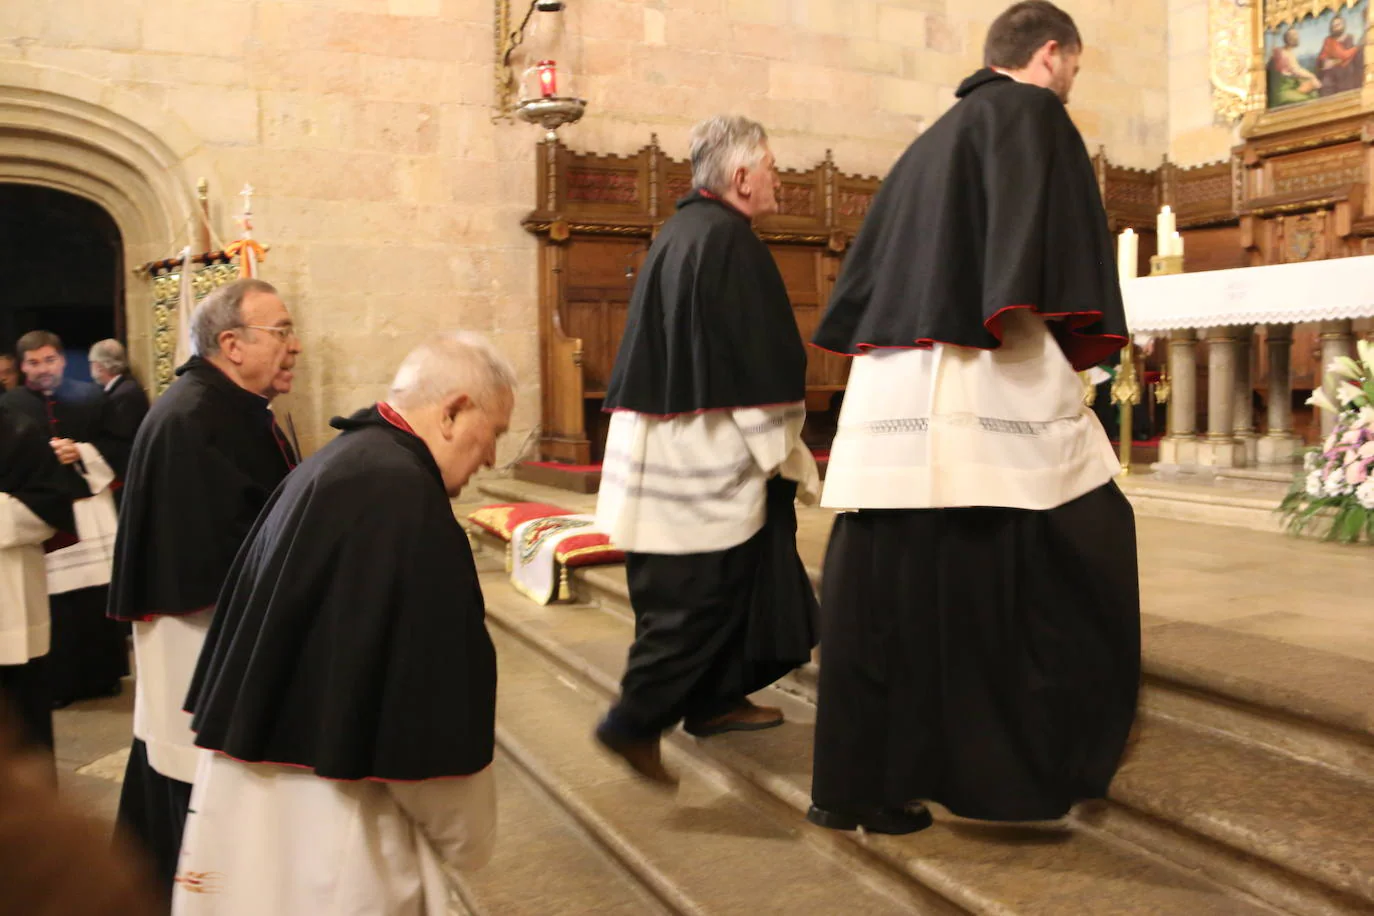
(347, 690)
(205, 461)
(703, 461)
(128, 402)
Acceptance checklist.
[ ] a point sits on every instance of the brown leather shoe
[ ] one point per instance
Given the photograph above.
(644, 757)
(745, 718)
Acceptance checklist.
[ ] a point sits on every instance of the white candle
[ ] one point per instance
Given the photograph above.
(1164, 230)
(1127, 255)
(1176, 245)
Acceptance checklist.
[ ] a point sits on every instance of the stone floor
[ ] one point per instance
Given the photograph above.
(1295, 592)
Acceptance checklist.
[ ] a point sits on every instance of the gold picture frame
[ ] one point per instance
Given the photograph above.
(1265, 17)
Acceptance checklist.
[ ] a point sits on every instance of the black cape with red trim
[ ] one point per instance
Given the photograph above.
(204, 461)
(995, 207)
(350, 638)
(31, 473)
(710, 326)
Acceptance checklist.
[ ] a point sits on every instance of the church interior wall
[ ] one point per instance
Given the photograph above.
(391, 200)
(1196, 135)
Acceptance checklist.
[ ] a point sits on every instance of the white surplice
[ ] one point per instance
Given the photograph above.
(89, 562)
(270, 840)
(697, 483)
(25, 626)
(949, 427)
(166, 650)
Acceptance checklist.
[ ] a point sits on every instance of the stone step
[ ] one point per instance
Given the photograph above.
(713, 846)
(1075, 867)
(1216, 679)
(1185, 504)
(535, 831)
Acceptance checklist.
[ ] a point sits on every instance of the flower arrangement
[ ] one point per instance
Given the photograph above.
(1337, 479)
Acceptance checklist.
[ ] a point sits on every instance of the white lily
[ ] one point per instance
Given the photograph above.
(1320, 400)
(1349, 393)
(1346, 367)
(1366, 350)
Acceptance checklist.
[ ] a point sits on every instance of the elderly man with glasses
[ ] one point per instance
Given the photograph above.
(205, 460)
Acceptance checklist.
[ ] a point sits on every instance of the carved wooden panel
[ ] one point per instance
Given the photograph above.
(1314, 171)
(1204, 195)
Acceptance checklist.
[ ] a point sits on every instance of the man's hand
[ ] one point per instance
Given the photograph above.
(65, 450)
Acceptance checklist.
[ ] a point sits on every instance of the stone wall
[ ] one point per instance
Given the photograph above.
(391, 200)
(1195, 136)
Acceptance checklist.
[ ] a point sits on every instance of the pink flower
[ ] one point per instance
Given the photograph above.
(1356, 474)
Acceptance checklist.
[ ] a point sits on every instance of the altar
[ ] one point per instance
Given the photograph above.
(1227, 308)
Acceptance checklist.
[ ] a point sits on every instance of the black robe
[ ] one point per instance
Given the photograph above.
(31, 474)
(995, 207)
(204, 462)
(79, 411)
(128, 406)
(88, 656)
(350, 637)
(710, 326)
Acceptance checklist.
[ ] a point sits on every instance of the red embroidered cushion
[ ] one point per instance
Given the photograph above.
(502, 519)
(591, 549)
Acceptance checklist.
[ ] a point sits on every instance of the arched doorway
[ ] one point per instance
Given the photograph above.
(67, 132)
(61, 270)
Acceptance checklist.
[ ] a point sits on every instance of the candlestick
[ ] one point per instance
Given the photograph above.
(1176, 245)
(1128, 255)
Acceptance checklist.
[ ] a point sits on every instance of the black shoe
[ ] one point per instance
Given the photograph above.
(894, 821)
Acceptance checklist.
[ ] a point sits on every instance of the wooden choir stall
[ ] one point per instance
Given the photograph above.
(1293, 192)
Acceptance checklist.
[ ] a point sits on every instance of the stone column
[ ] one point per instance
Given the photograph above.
(1338, 339)
(1279, 445)
(1179, 445)
(1243, 409)
(1220, 449)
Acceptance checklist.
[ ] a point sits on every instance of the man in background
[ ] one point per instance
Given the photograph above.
(110, 369)
(347, 688)
(9, 372)
(88, 656)
(206, 459)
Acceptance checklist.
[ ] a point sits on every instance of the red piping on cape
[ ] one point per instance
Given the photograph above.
(301, 766)
(993, 326)
(390, 415)
(153, 615)
(702, 410)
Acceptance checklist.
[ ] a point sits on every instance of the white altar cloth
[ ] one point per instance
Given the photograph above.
(1275, 294)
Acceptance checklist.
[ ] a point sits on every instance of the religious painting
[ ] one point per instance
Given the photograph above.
(1314, 53)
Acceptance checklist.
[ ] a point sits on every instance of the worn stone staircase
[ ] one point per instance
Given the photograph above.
(1249, 788)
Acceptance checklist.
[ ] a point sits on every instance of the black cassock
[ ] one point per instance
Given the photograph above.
(984, 658)
(205, 460)
(710, 327)
(88, 655)
(31, 474)
(350, 637)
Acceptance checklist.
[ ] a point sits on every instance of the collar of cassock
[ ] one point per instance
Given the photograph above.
(210, 374)
(978, 80)
(386, 417)
(701, 195)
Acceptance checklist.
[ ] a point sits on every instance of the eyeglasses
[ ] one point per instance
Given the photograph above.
(282, 333)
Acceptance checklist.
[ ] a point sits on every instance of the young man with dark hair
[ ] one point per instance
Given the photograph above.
(980, 606)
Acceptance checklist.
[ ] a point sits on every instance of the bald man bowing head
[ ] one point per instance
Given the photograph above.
(347, 688)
